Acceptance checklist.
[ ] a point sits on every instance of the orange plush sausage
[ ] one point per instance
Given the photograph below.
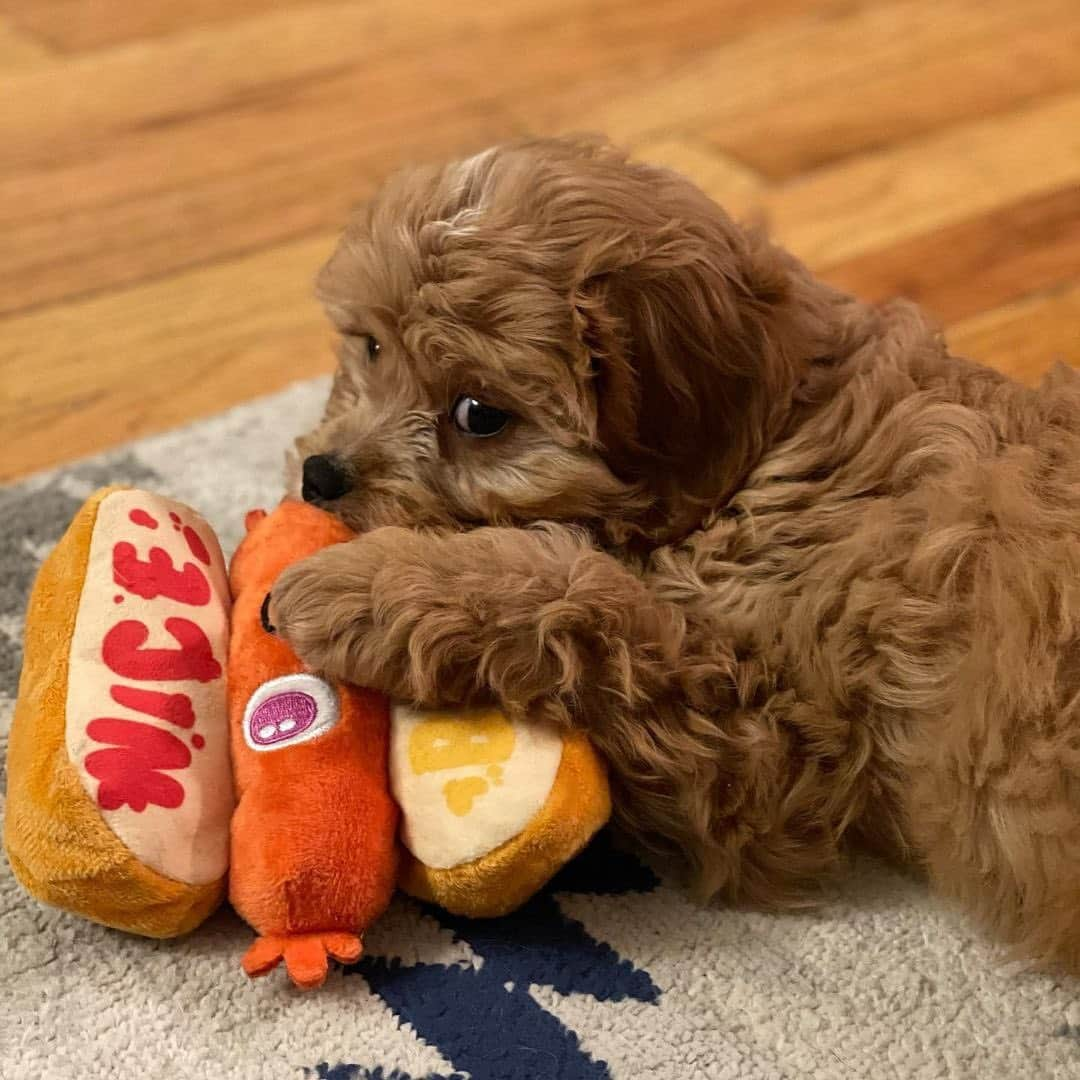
(314, 853)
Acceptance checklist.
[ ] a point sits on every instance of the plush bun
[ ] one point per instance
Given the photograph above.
(119, 788)
(490, 809)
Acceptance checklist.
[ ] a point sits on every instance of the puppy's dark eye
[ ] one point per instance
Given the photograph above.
(472, 417)
(361, 345)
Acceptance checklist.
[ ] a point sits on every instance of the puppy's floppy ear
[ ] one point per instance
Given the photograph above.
(698, 333)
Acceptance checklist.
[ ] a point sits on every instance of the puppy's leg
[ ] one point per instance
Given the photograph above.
(509, 615)
(710, 761)
(994, 810)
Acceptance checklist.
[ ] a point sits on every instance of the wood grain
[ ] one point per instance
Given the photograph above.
(174, 171)
(213, 143)
(977, 264)
(1026, 338)
(19, 50)
(830, 84)
(113, 367)
(938, 73)
(77, 25)
(868, 202)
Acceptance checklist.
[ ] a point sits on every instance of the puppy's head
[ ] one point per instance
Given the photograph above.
(548, 331)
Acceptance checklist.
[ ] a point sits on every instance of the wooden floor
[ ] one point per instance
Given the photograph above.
(172, 172)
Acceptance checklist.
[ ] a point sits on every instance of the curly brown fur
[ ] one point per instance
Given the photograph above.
(801, 574)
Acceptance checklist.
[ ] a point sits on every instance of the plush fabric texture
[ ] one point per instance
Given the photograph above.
(467, 780)
(314, 835)
(495, 883)
(59, 844)
(607, 972)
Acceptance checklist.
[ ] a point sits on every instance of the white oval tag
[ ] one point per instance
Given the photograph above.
(288, 710)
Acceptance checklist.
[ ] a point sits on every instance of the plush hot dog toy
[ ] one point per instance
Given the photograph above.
(314, 853)
(119, 797)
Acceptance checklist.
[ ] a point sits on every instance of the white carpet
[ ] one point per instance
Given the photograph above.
(609, 974)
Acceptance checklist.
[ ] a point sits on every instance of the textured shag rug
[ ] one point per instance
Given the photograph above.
(609, 973)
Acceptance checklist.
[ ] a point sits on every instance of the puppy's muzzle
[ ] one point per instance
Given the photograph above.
(324, 479)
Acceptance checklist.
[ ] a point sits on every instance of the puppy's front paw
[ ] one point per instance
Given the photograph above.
(327, 608)
(318, 613)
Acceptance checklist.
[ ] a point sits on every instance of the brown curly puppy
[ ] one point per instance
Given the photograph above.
(802, 575)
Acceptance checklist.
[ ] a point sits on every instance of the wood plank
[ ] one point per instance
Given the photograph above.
(208, 144)
(92, 374)
(856, 206)
(978, 264)
(793, 97)
(1026, 338)
(177, 79)
(51, 118)
(928, 90)
(77, 25)
(19, 50)
(209, 215)
(72, 26)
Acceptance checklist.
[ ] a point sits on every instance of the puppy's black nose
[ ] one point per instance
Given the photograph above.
(324, 479)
